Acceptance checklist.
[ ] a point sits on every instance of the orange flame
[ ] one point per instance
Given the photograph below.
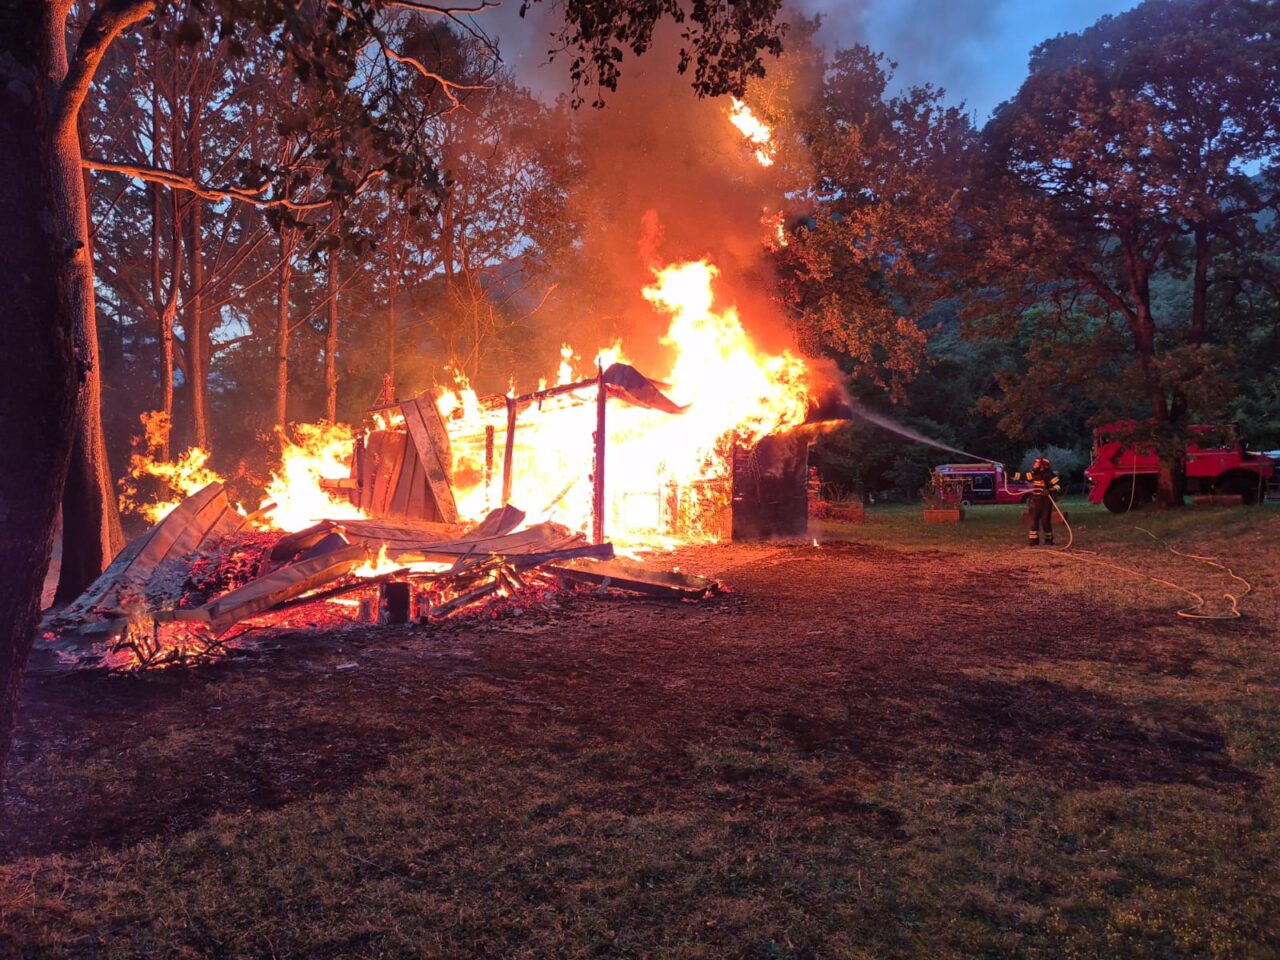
(319, 451)
(667, 475)
(181, 477)
(756, 132)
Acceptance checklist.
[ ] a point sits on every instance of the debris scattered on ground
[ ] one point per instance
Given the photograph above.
(199, 580)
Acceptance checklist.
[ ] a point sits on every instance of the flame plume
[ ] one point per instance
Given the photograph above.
(756, 132)
(180, 478)
(319, 451)
(667, 475)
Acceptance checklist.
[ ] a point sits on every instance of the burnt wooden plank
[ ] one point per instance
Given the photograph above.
(276, 587)
(171, 527)
(389, 470)
(422, 420)
(419, 508)
(231, 521)
(381, 453)
(636, 578)
(537, 539)
(386, 529)
(364, 473)
(497, 522)
(135, 563)
(292, 543)
(404, 482)
(193, 534)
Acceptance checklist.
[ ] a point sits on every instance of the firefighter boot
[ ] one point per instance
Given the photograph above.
(1048, 539)
(1033, 538)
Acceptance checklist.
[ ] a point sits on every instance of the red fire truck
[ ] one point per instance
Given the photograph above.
(1122, 476)
(982, 483)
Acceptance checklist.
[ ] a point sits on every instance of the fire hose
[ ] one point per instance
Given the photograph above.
(1091, 556)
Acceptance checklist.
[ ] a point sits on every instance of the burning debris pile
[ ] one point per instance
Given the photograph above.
(411, 514)
(177, 594)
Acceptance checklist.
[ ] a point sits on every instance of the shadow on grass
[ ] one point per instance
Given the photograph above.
(828, 672)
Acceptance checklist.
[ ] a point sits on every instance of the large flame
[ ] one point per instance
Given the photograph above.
(756, 132)
(667, 476)
(317, 451)
(180, 478)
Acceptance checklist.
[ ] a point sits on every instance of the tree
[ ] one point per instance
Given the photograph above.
(860, 269)
(1140, 153)
(46, 273)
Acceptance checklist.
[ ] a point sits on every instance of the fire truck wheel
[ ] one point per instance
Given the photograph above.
(1245, 486)
(965, 503)
(1120, 496)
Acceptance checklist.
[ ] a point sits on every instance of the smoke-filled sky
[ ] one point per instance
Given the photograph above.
(976, 49)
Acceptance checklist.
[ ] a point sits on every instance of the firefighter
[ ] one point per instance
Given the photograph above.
(1040, 504)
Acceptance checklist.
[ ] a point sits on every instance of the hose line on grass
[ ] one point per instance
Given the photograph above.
(1091, 556)
(1189, 613)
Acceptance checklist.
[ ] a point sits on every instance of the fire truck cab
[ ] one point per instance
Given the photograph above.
(1122, 475)
(983, 483)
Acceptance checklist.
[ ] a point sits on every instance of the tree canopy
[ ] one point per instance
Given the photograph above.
(1136, 162)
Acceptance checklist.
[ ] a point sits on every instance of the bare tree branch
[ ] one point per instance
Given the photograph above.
(179, 182)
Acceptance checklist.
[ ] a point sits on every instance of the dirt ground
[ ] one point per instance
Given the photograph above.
(829, 678)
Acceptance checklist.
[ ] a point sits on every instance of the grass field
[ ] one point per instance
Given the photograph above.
(909, 741)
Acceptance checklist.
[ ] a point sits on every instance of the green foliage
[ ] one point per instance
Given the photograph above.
(1067, 463)
(724, 41)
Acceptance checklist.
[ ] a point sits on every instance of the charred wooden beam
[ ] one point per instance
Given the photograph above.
(635, 578)
(508, 457)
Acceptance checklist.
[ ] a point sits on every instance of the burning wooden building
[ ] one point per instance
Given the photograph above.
(602, 455)
(718, 449)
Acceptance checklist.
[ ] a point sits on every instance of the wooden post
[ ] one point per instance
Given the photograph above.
(509, 453)
(488, 466)
(597, 474)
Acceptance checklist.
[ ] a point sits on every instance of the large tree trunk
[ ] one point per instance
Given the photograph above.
(331, 344)
(168, 314)
(391, 333)
(282, 333)
(1170, 483)
(46, 293)
(91, 533)
(197, 354)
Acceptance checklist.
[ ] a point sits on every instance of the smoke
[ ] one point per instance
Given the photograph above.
(665, 178)
(942, 42)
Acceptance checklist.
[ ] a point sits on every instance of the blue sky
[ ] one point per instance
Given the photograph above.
(976, 49)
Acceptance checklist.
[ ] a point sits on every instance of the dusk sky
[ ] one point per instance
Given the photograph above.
(976, 49)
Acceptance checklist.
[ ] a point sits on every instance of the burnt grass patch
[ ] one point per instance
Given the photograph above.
(860, 704)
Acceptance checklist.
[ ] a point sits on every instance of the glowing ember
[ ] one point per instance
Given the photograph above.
(180, 478)
(384, 564)
(319, 451)
(756, 132)
(667, 475)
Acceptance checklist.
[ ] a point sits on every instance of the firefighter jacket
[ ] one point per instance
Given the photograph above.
(1043, 481)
